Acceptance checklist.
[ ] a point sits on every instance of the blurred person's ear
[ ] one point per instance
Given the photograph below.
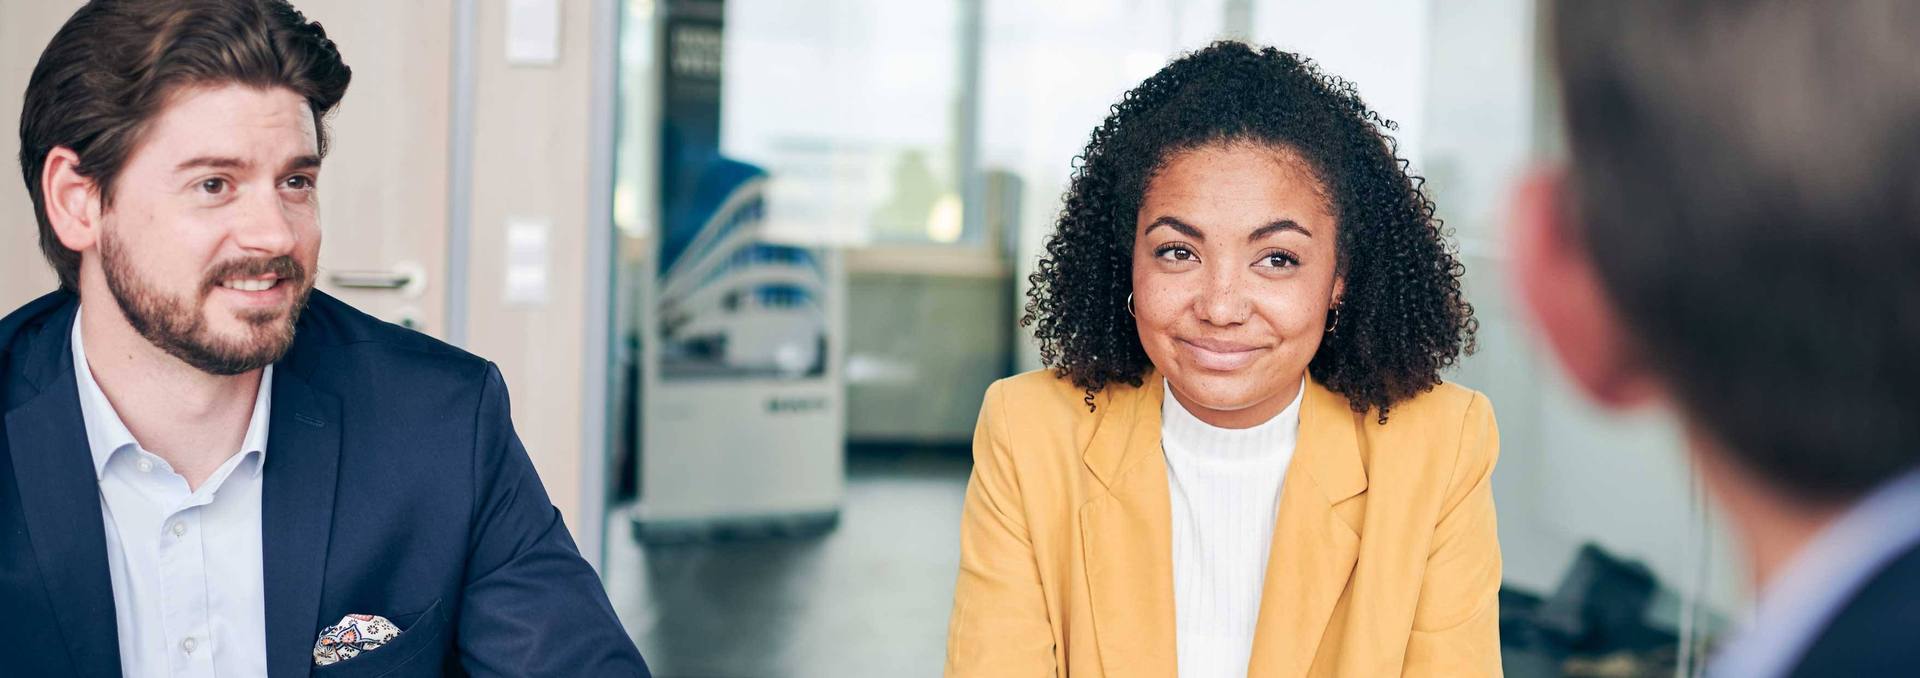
(1565, 299)
(72, 200)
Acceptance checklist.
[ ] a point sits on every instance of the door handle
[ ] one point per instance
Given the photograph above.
(371, 280)
(407, 278)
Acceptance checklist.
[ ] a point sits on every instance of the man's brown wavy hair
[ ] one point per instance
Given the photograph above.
(116, 63)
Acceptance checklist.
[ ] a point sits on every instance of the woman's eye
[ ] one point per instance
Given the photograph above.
(1279, 260)
(1175, 253)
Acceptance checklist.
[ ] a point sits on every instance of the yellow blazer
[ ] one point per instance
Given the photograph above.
(1385, 560)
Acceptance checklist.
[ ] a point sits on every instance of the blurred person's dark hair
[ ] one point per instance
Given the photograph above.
(116, 63)
(1746, 178)
(1402, 317)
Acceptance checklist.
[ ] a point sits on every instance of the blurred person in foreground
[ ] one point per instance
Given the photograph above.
(1243, 461)
(1734, 238)
(208, 468)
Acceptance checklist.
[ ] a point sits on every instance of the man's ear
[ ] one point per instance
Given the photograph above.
(72, 200)
(1568, 305)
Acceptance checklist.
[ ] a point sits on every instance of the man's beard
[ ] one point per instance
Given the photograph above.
(179, 327)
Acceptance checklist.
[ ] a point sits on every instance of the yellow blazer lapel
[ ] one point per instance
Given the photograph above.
(1127, 537)
(1313, 550)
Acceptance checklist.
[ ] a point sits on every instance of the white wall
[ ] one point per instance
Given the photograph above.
(1379, 45)
(1050, 72)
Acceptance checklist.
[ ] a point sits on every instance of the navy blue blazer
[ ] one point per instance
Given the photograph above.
(1873, 635)
(393, 485)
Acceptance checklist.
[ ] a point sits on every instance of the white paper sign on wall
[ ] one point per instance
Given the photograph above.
(533, 32)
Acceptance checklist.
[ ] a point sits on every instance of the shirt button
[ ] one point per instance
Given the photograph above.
(180, 529)
(145, 465)
(188, 645)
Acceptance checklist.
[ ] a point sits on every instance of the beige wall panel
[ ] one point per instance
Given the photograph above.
(25, 28)
(531, 161)
(383, 190)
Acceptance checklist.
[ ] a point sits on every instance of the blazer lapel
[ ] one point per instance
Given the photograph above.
(1127, 537)
(1313, 550)
(60, 500)
(296, 504)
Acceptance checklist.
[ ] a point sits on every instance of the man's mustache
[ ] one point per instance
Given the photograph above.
(283, 267)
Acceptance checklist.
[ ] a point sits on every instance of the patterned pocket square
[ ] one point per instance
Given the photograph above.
(356, 633)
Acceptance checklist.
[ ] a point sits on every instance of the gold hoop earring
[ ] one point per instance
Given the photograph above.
(1130, 304)
(1335, 323)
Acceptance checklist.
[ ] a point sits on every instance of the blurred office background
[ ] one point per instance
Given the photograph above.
(749, 265)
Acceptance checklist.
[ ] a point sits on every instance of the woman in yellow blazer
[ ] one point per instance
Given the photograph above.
(1243, 460)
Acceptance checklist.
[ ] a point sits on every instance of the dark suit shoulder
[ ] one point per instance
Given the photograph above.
(32, 342)
(1873, 634)
(33, 316)
(335, 342)
(330, 322)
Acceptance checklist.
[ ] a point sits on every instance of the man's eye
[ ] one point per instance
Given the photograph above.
(299, 183)
(214, 186)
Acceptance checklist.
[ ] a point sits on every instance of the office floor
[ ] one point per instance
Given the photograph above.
(870, 598)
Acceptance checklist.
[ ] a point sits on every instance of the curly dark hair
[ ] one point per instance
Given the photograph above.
(1402, 317)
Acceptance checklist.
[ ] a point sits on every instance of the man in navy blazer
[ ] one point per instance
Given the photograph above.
(208, 468)
(1734, 238)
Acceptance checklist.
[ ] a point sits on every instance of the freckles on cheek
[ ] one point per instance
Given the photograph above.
(1153, 335)
(1295, 323)
(1155, 316)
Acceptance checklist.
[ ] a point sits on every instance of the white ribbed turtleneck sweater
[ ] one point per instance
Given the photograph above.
(1225, 487)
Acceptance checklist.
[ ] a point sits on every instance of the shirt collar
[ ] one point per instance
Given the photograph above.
(255, 442)
(1822, 578)
(107, 434)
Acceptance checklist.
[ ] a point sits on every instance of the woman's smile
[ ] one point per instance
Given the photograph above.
(1219, 355)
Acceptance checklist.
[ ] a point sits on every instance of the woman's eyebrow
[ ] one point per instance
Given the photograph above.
(1276, 227)
(1176, 224)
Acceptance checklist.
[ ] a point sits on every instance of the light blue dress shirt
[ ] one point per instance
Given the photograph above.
(186, 566)
(1821, 579)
